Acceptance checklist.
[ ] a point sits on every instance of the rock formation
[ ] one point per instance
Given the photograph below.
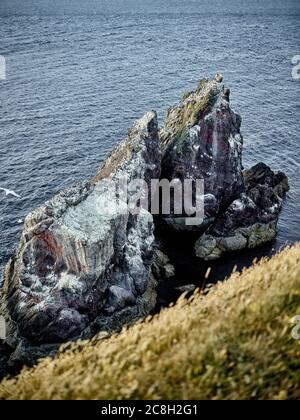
(251, 219)
(84, 265)
(81, 265)
(201, 139)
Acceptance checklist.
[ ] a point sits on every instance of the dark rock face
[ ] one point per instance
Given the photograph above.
(201, 139)
(81, 265)
(4, 356)
(250, 220)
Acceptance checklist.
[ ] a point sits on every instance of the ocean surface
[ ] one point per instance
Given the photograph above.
(80, 72)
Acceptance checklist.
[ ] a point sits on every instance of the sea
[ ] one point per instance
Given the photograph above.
(78, 73)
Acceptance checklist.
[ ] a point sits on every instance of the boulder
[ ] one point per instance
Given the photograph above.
(162, 268)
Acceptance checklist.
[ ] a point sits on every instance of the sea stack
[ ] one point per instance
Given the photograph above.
(201, 139)
(79, 267)
(82, 266)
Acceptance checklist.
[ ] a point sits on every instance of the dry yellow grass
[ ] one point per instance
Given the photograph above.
(234, 343)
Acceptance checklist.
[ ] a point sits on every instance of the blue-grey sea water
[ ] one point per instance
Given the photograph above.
(80, 72)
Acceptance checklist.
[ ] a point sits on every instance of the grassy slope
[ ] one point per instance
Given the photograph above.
(233, 343)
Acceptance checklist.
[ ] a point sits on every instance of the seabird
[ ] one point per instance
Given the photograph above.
(10, 192)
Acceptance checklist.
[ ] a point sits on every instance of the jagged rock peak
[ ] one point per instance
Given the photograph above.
(201, 139)
(194, 105)
(143, 129)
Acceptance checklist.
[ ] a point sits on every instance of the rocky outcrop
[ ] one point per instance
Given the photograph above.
(87, 263)
(250, 220)
(201, 139)
(84, 264)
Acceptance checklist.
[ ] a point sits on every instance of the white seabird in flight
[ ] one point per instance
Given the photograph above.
(10, 192)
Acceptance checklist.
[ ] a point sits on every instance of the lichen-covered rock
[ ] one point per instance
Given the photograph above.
(201, 139)
(81, 263)
(251, 220)
(162, 268)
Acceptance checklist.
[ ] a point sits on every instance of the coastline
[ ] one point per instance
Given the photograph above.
(223, 345)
